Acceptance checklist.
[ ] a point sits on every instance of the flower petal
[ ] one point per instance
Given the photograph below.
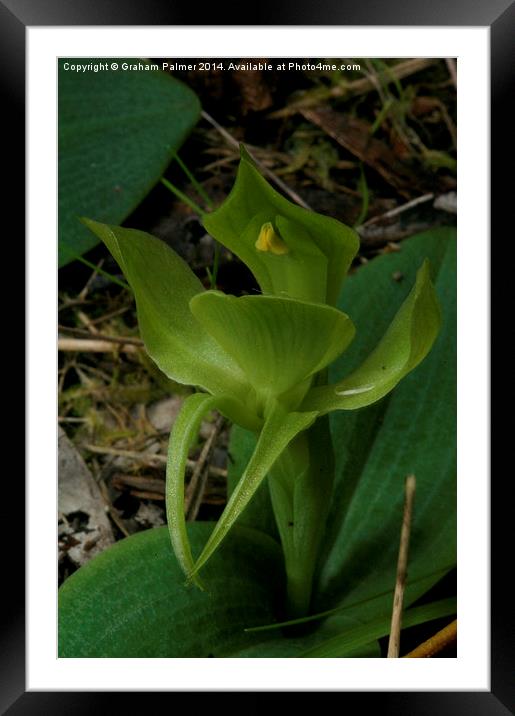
(404, 345)
(279, 343)
(183, 436)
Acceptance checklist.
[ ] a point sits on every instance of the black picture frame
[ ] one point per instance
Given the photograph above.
(499, 15)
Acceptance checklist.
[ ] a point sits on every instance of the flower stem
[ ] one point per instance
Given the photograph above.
(300, 487)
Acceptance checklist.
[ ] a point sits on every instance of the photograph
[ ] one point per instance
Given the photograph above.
(257, 313)
(257, 357)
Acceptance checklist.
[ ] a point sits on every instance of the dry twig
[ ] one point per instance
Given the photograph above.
(112, 510)
(148, 459)
(198, 481)
(374, 235)
(111, 314)
(86, 321)
(122, 340)
(355, 136)
(288, 190)
(397, 210)
(451, 66)
(357, 87)
(402, 563)
(93, 345)
(84, 292)
(439, 641)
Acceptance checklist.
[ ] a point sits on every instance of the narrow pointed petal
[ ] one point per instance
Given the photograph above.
(183, 436)
(405, 344)
(279, 430)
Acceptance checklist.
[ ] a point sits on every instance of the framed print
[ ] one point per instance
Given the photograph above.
(381, 169)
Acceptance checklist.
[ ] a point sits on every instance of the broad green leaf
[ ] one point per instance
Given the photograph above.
(253, 202)
(277, 342)
(405, 344)
(131, 601)
(279, 430)
(344, 637)
(411, 431)
(118, 130)
(163, 285)
(351, 639)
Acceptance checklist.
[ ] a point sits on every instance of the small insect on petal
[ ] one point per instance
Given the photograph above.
(268, 240)
(355, 391)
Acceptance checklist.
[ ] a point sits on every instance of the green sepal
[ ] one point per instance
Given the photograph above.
(300, 272)
(278, 343)
(163, 285)
(234, 224)
(405, 344)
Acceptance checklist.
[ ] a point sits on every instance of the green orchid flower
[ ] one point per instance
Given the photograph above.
(262, 360)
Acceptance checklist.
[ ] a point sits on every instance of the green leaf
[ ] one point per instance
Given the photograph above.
(341, 636)
(277, 342)
(338, 610)
(320, 249)
(163, 285)
(405, 344)
(130, 601)
(288, 646)
(278, 431)
(411, 431)
(359, 636)
(118, 130)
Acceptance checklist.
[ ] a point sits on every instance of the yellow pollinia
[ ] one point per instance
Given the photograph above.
(269, 241)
